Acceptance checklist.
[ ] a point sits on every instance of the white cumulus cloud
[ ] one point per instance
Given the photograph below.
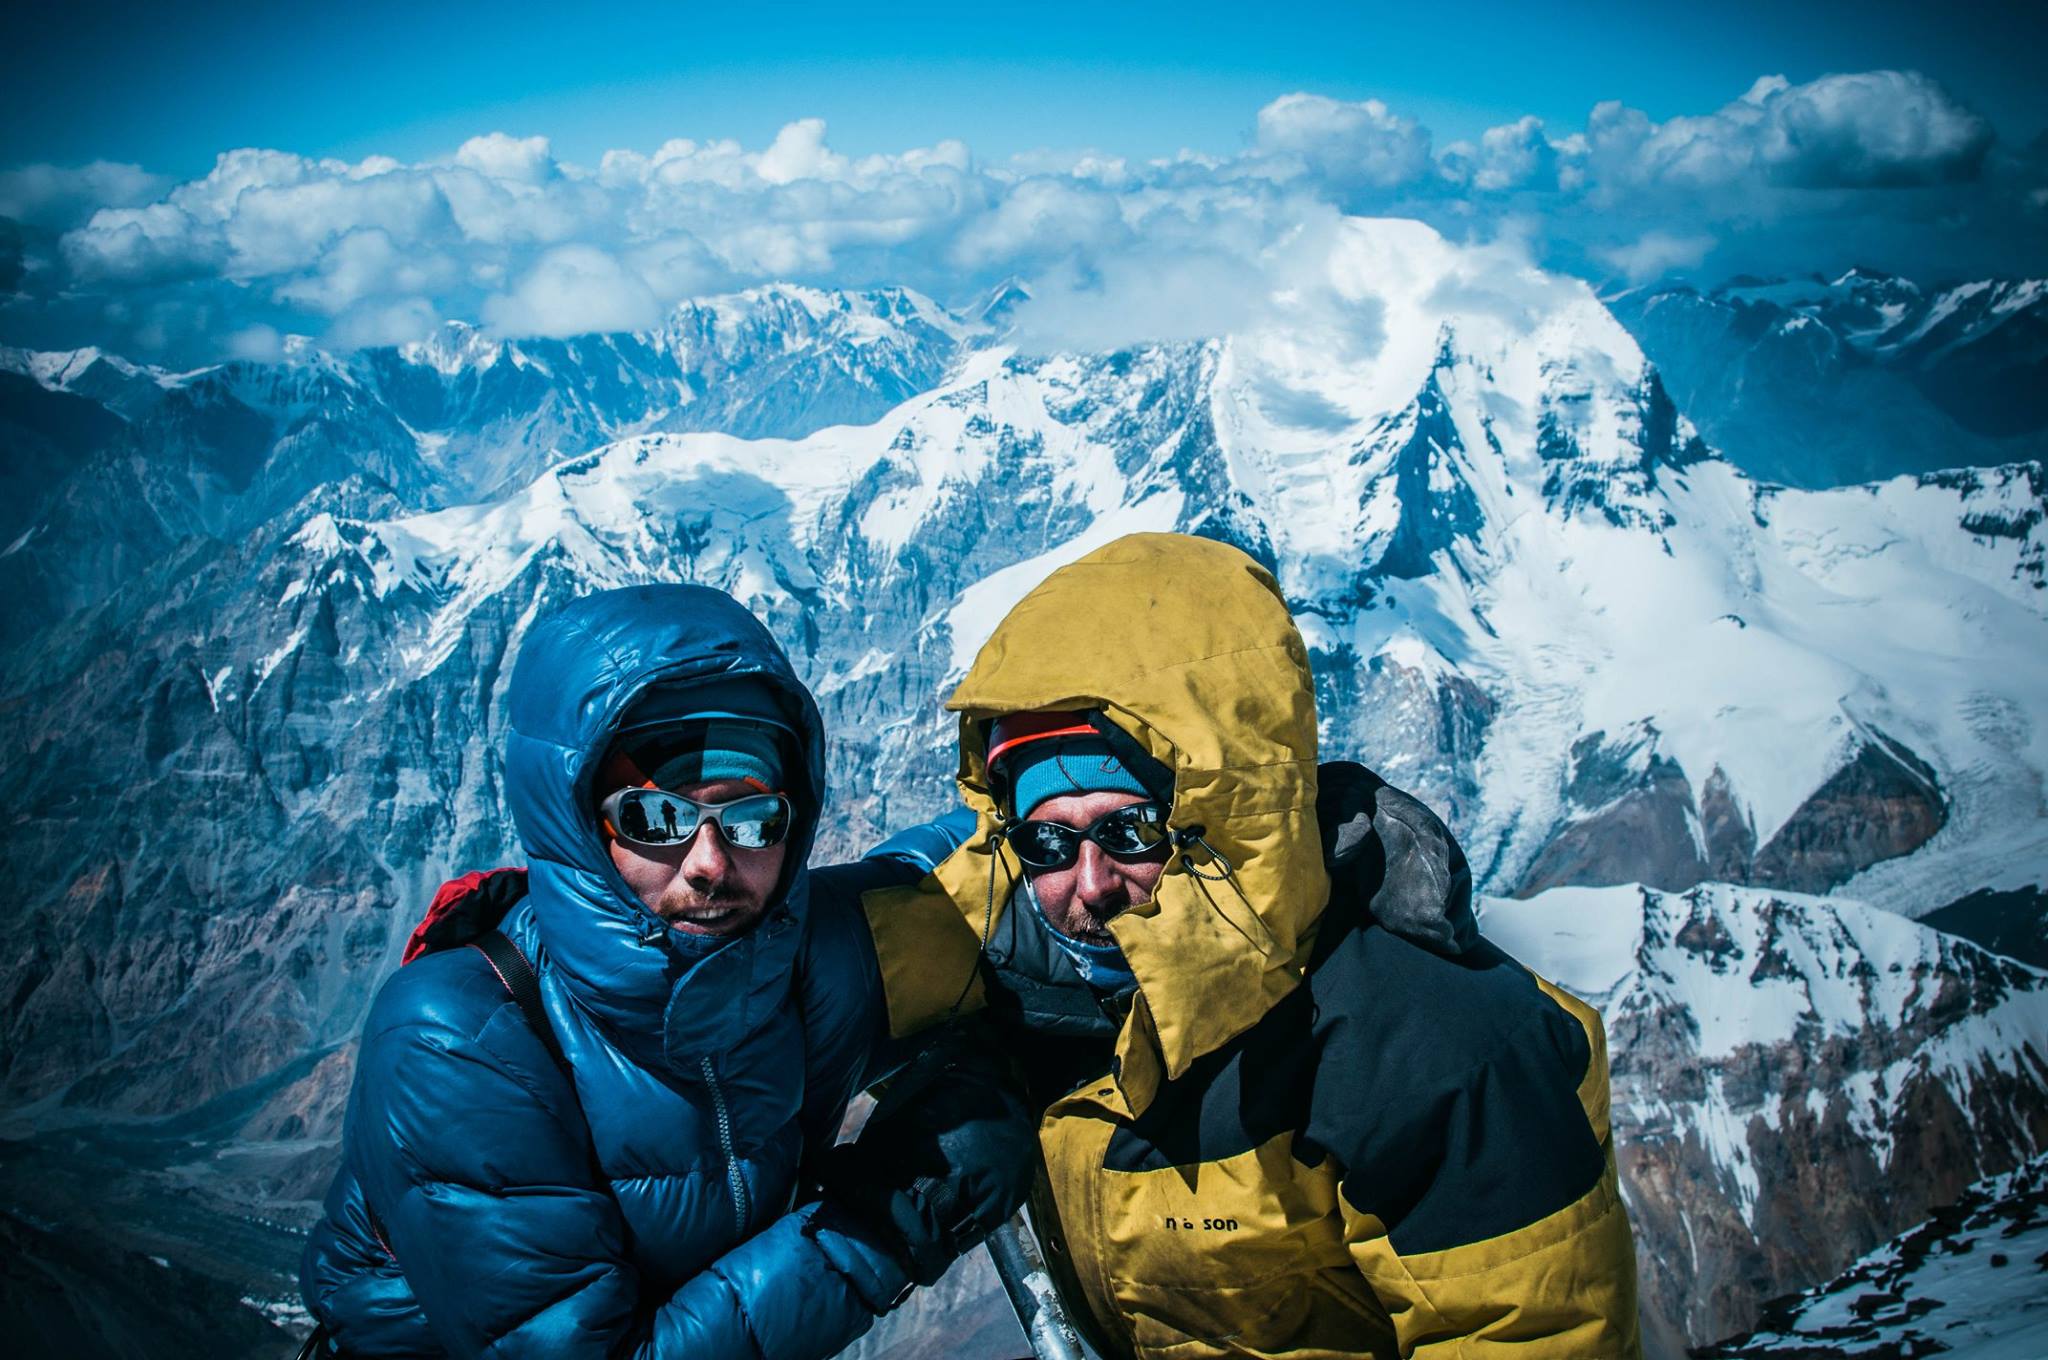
(1655, 254)
(573, 290)
(1873, 129)
(799, 152)
(1820, 175)
(518, 160)
(1517, 155)
(1361, 143)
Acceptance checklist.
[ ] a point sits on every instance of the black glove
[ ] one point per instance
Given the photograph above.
(945, 1159)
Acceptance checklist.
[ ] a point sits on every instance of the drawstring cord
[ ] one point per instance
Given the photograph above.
(988, 917)
(1192, 835)
(1182, 839)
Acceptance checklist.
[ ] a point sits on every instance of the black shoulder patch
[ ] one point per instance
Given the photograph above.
(1448, 1090)
(1389, 852)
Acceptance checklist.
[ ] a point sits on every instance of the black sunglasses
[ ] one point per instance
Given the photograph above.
(657, 818)
(1125, 833)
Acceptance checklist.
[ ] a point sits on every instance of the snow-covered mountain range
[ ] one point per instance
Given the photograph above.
(1813, 382)
(222, 451)
(272, 604)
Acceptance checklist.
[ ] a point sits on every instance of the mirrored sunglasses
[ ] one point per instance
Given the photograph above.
(658, 819)
(1125, 833)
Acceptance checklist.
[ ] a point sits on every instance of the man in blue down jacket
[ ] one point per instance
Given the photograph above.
(488, 1204)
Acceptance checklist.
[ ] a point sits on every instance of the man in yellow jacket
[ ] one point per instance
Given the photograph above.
(1292, 1105)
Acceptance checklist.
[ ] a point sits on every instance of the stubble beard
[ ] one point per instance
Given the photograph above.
(723, 910)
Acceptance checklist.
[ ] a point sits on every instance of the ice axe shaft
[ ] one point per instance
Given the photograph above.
(1039, 1310)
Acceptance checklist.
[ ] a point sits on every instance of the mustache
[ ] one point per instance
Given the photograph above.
(724, 893)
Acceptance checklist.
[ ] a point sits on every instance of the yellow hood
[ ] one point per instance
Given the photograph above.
(1187, 645)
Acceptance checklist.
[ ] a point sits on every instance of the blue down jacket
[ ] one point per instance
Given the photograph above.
(483, 1205)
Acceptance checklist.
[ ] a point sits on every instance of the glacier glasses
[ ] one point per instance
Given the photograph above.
(1123, 833)
(657, 819)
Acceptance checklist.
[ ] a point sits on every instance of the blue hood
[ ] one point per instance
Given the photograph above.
(579, 670)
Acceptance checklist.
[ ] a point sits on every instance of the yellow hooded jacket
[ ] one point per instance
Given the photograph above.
(1309, 1136)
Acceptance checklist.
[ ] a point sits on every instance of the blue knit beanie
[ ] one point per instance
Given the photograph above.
(1055, 766)
(700, 734)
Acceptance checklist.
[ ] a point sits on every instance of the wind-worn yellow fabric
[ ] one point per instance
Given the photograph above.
(1259, 1248)
(1187, 645)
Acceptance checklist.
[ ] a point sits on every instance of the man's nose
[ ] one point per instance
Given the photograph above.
(708, 860)
(1097, 879)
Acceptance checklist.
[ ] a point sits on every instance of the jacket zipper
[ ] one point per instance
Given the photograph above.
(734, 1179)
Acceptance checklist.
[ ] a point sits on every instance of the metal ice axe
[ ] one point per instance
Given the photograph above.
(1040, 1311)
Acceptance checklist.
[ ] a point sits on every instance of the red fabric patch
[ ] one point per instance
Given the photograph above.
(447, 902)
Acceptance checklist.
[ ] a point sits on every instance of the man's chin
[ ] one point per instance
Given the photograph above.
(724, 918)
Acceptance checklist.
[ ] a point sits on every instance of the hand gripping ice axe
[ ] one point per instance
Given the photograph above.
(1040, 1311)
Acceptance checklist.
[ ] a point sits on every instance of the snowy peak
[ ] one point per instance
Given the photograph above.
(999, 308)
(125, 388)
(776, 362)
(1602, 450)
(1821, 383)
(1442, 372)
(1872, 312)
(485, 414)
(1759, 1036)
(1966, 315)
(799, 313)
(1966, 1283)
(787, 316)
(1436, 507)
(60, 370)
(1747, 966)
(784, 361)
(453, 348)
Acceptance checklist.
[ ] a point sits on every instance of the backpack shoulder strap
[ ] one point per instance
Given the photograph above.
(523, 983)
(520, 980)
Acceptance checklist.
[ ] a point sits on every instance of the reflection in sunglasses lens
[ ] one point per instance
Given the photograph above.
(1129, 831)
(1047, 845)
(654, 817)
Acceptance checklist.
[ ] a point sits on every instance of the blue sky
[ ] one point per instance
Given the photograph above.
(180, 183)
(170, 86)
